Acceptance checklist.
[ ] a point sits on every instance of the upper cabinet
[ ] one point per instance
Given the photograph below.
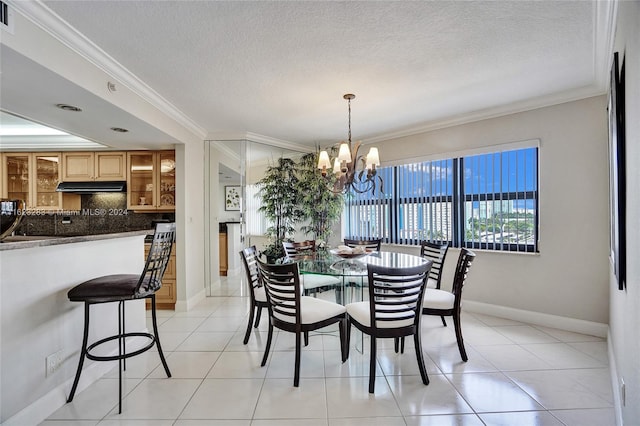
(90, 166)
(32, 177)
(151, 180)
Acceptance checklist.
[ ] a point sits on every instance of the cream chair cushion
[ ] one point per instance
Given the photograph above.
(311, 281)
(437, 299)
(359, 311)
(260, 294)
(313, 310)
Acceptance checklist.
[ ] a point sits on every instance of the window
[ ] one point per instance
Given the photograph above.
(487, 201)
(255, 220)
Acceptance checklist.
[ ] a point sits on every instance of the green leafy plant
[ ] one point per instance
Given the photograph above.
(321, 206)
(279, 192)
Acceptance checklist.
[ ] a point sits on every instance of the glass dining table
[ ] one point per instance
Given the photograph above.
(352, 271)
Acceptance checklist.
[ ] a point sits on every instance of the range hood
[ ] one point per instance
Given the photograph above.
(92, 187)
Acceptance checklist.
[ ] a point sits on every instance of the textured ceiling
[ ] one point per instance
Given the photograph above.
(279, 69)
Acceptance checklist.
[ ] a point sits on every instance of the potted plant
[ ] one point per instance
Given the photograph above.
(279, 192)
(321, 206)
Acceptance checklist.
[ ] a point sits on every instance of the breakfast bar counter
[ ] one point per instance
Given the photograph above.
(29, 241)
(41, 330)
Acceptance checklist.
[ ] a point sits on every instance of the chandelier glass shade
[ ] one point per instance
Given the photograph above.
(352, 171)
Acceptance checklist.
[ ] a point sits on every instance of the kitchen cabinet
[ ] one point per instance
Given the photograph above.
(224, 265)
(151, 180)
(166, 296)
(33, 177)
(94, 166)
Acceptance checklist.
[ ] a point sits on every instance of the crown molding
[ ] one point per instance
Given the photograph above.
(486, 114)
(40, 15)
(255, 137)
(225, 150)
(604, 24)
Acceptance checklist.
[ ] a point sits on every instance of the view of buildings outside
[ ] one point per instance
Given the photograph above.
(420, 202)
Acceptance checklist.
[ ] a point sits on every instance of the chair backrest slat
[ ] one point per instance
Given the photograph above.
(158, 258)
(372, 244)
(395, 294)
(297, 250)
(436, 252)
(249, 257)
(282, 286)
(462, 270)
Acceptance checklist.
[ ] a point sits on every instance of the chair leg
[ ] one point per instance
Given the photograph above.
(372, 365)
(419, 356)
(157, 336)
(122, 364)
(343, 351)
(347, 338)
(249, 324)
(396, 344)
(443, 321)
(296, 373)
(83, 352)
(258, 317)
(456, 324)
(268, 345)
(306, 338)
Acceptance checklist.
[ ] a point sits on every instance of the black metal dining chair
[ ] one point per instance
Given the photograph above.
(448, 303)
(257, 295)
(437, 253)
(392, 311)
(122, 288)
(371, 244)
(311, 283)
(290, 311)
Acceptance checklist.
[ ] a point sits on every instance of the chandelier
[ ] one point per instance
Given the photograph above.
(351, 170)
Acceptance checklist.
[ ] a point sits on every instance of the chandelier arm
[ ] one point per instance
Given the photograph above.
(352, 174)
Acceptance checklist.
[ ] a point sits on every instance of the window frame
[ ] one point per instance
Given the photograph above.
(458, 200)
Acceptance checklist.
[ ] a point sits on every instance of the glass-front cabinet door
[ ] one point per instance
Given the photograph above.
(47, 172)
(16, 179)
(141, 181)
(167, 186)
(33, 178)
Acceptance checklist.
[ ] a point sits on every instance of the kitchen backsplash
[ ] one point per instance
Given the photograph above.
(99, 214)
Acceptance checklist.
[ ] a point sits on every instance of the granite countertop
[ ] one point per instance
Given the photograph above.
(29, 241)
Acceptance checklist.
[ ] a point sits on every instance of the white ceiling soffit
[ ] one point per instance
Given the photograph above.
(32, 92)
(17, 134)
(280, 68)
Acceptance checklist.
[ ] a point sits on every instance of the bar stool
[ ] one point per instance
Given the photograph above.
(121, 288)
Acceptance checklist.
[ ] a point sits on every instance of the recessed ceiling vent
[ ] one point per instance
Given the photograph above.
(6, 17)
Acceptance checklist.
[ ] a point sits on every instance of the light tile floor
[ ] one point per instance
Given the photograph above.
(517, 374)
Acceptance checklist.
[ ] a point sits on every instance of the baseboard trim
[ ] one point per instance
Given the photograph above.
(36, 412)
(538, 318)
(185, 305)
(615, 385)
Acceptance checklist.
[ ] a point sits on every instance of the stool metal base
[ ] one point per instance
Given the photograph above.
(122, 353)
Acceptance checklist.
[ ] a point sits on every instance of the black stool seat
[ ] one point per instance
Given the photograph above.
(111, 288)
(121, 288)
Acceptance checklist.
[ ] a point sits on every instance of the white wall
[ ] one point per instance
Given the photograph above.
(625, 305)
(190, 224)
(37, 318)
(569, 277)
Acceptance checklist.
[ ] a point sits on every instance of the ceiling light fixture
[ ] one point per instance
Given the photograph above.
(68, 107)
(352, 171)
(119, 129)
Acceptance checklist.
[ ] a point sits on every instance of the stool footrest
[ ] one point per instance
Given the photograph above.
(92, 357)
